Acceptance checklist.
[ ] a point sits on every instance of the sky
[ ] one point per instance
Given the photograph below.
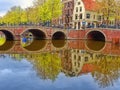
(5, 5)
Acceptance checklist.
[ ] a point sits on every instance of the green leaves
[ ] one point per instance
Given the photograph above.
(42, 11)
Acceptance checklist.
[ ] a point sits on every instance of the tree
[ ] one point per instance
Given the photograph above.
(32, 15)
(117, 13)
(107, 9)
(48, 9)
(13, 16)
(24, 16)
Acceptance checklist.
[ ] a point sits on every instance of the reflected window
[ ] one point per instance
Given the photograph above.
(79, 58)
(86, 59)
(78, 64)
(75, 57)
(75, 63)
(76, 70)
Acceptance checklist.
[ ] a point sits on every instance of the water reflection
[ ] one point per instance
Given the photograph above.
(73, 63)
(2, 38)
(36, 45)
(95, 45)
(59, 43)
(103, 68)
(7, 45)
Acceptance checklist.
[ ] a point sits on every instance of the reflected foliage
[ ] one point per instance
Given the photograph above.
(48, 65)
(107, 71)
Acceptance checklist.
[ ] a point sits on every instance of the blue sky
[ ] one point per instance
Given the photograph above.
(5, 5)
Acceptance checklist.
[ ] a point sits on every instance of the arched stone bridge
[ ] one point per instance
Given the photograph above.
(100, 34)
(14, 33)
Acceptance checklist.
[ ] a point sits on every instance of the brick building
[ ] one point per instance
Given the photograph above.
(67, 13)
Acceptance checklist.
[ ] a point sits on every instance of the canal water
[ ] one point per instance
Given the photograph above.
(59, 65)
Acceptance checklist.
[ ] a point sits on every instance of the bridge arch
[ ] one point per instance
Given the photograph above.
(37, 33)
(59, 35)
(8, 34)
(96, 35)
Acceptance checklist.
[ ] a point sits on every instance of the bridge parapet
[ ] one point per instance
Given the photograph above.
(112, 35)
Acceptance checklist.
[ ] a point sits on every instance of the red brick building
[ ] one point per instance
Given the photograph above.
(68, 7)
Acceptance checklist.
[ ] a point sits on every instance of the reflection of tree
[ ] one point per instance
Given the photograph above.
(17, 56)
(107, 70)
(47, 65)
(66, 63)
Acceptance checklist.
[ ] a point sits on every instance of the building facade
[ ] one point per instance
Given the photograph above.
(67, 13)
(84, 14)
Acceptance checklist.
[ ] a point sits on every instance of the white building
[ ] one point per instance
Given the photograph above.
(85, 14)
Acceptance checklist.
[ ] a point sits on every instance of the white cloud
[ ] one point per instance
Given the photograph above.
(5, 5)
(23, 3)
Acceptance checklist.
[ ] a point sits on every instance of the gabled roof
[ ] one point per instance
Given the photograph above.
(90, 5)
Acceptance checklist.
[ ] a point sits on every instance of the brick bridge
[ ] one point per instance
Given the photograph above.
(102, 34)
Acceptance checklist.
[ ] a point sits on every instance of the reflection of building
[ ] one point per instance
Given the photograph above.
(66, 63)
(79, 58)
(76, 62)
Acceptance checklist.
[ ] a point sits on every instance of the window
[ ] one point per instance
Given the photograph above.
(68, 4)
(94, 17)
(80, 9)
(76, 16)
(71, 19)
(80, 16)
(88, 16)
(76, 9)
(99, 18)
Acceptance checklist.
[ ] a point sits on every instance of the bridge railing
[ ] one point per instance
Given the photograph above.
(55, 28)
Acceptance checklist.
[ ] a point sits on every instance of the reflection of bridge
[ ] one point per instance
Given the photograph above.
(36, 46)
(49, 45)
(13, 33)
